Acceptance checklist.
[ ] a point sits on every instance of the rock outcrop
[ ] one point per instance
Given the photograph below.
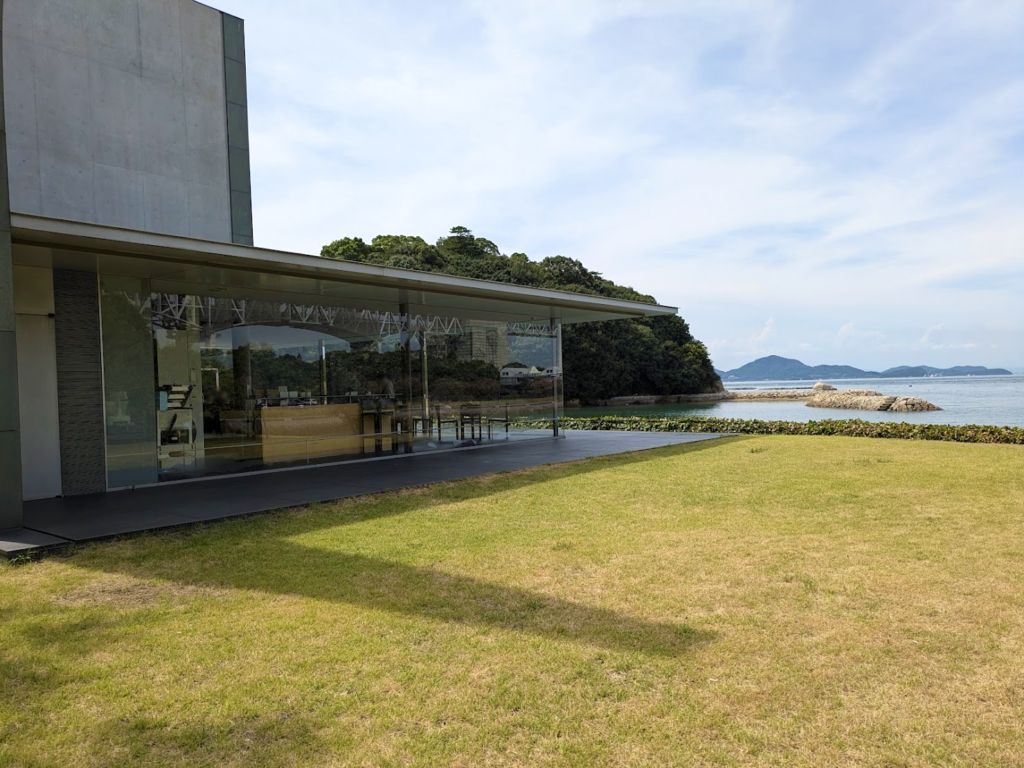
(869, 400)
(821, 386)
(912, 405)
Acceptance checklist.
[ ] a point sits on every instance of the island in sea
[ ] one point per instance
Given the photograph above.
(775, 368)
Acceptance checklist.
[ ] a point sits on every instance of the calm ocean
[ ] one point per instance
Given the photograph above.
(995, 400)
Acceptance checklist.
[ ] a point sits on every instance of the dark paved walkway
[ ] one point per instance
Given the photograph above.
(98, 516)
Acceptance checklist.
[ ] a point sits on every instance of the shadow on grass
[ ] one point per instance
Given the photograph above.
(274, 565)
(367, 507)
(455, 599)
(264, 739)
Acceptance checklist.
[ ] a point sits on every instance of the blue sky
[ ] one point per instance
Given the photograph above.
(841, 182)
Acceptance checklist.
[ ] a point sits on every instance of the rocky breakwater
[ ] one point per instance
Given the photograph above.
(821, 395)
(868, 400)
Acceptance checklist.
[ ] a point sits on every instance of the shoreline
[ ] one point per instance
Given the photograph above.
(777, 395)
(820, 396)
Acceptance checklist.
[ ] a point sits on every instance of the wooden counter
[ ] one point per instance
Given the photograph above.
(293, 433)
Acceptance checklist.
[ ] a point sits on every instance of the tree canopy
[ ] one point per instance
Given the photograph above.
(651, 356)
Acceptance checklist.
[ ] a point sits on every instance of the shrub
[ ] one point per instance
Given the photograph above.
(972, 433)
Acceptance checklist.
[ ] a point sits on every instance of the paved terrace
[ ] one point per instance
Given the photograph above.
(53, 523)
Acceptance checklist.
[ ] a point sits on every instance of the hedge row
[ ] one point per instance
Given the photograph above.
(845, 427)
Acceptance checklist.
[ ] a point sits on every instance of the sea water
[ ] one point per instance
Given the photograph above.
(992, 400)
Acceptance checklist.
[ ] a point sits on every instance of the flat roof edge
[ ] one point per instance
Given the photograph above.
(48, 232)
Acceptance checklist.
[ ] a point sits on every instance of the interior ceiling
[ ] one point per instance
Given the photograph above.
(218, 280)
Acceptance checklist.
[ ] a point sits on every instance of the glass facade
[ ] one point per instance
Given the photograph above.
(199, 385)
(126, 338)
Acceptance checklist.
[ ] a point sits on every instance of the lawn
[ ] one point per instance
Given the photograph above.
(797, 601)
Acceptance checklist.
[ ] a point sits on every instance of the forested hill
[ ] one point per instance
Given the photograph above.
(653, 356)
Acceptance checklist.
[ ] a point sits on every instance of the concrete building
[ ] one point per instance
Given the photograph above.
(145, 340)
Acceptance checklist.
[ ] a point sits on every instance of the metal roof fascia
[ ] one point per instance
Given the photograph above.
(38, 230)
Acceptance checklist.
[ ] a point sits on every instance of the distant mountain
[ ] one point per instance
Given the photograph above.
(775, 368)
(910, 372)
(975, 370)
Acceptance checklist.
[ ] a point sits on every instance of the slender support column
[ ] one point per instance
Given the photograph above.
(323, 372)
(10, 426)
(425, 384)
(556, 363)
(407, 337)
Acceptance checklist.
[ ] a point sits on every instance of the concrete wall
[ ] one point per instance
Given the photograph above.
(10, 437)
(236, 94)
(116, 114)
(37, 382)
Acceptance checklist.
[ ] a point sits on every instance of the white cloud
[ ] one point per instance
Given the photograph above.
(932, 329)
(938, 337)
(856, 165)
(724, 352)
(850, 332)
(765, 333)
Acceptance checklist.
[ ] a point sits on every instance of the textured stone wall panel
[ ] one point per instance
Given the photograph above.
(79, 382)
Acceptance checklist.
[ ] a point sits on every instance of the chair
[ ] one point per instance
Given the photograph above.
(442, 420)
(473, 415)
(498, 420)
(420, 424)
(416, 420)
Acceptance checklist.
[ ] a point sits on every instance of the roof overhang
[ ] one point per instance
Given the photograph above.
(183, 264)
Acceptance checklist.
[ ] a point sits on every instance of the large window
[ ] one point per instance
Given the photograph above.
(209, 384)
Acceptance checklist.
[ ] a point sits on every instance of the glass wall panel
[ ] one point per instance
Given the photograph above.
(128, 384)
(488, 379)
(247, 384)
(178, 392)
(534, 374)
(212, 384)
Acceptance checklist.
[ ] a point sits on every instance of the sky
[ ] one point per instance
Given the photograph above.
(838, 182)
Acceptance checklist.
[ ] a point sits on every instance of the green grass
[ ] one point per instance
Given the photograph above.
(797, 601)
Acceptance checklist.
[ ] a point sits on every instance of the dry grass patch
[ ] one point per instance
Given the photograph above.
(126, 592)
(771, 601)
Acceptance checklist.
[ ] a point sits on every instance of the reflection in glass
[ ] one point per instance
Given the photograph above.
(130, 413)
(246, 384)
